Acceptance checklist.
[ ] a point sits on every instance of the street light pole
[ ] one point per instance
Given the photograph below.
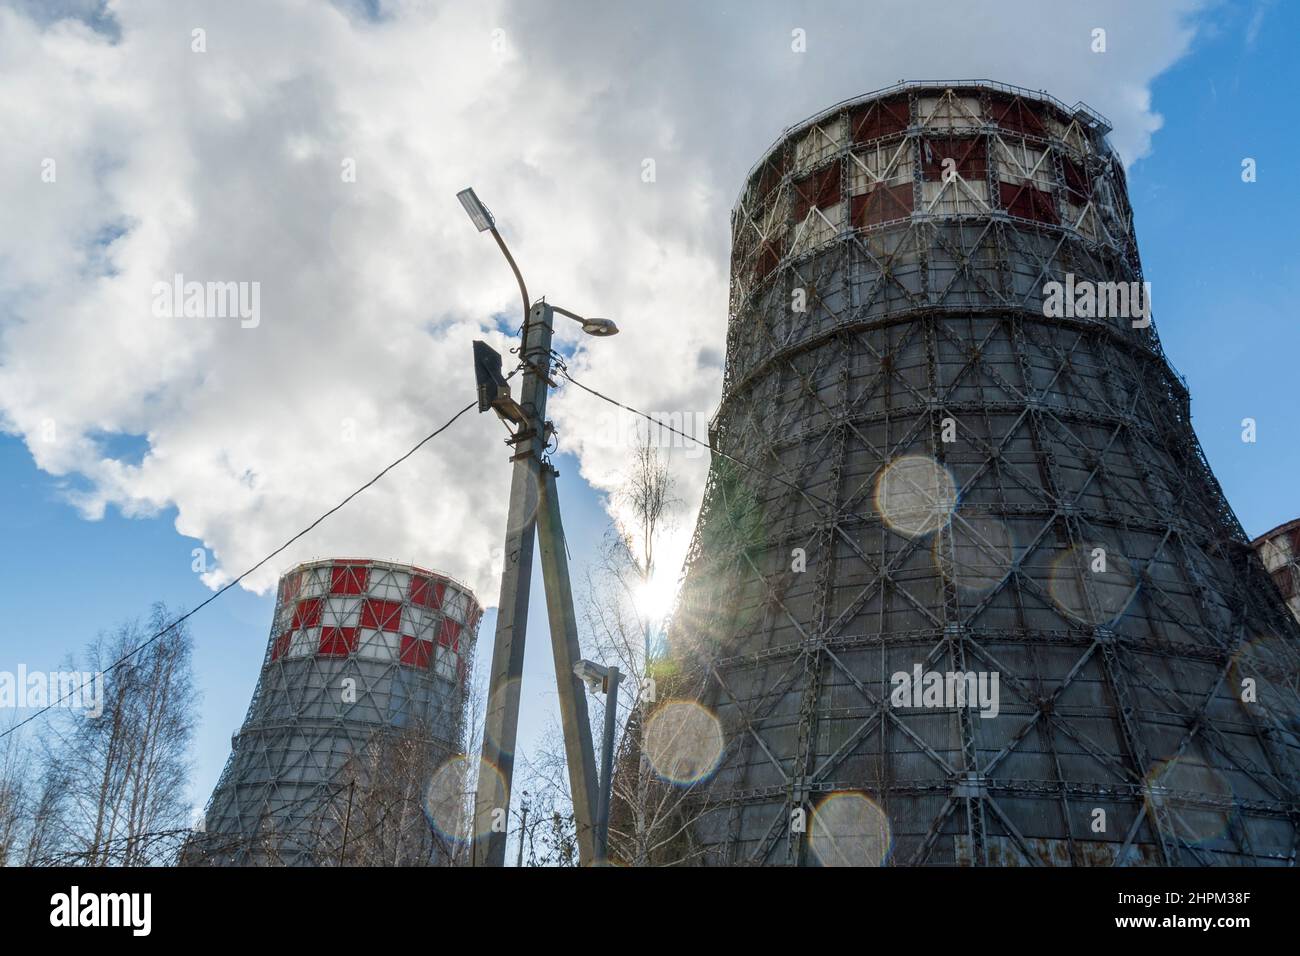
(612, 678)
(534, 514)
(600, 678)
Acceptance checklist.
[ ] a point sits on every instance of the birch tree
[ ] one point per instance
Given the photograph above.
(16, 799)
(623, 612)
(115, 784)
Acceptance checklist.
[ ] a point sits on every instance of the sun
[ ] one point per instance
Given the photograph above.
(654, 598)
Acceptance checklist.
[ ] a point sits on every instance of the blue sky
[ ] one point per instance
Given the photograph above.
(1219, 253)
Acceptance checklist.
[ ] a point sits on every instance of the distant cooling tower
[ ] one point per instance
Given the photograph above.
(362, 695)
(979, 600)
(1279, 549)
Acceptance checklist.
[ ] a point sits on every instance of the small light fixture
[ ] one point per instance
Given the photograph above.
(600, 327)
(478, 213)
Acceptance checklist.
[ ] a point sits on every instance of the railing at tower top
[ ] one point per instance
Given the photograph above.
(395, 565)
(1095, 120)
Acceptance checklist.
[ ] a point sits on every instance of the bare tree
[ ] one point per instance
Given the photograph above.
(629, 556)
(44, 826)
(16, 798)
(549, 834)
(114, 787)
(559, 840)
(650, 816)
(461, 849)
(378, 809)
(383, 811)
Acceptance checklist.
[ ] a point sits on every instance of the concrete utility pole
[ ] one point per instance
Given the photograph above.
(534, 509)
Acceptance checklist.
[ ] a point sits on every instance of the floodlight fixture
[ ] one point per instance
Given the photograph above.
(478, 213)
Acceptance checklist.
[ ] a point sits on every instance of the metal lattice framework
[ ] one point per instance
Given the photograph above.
(939, 465)
(359, 650)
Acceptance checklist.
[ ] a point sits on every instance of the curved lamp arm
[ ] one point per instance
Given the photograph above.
(523, 289)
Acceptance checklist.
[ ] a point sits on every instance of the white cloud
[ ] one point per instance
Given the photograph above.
(225, 165)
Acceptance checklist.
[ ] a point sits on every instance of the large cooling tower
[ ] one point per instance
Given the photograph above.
(362, 694)
(967, 460)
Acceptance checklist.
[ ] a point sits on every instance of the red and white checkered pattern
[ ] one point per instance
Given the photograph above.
(375, 611)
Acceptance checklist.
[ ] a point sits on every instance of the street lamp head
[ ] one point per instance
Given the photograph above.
(590, 326)
(599, 327)
(478, 213)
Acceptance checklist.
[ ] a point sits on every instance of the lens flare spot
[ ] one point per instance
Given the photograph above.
(975, 553)
(915, 495)
(449, 799)
(848, 829)
(1091, 588)
(1266, 675)
(1196, 798)
(683, 741)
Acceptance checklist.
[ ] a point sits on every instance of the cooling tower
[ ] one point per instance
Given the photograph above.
(362, 695)
(1279, 549)
(969, 593)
